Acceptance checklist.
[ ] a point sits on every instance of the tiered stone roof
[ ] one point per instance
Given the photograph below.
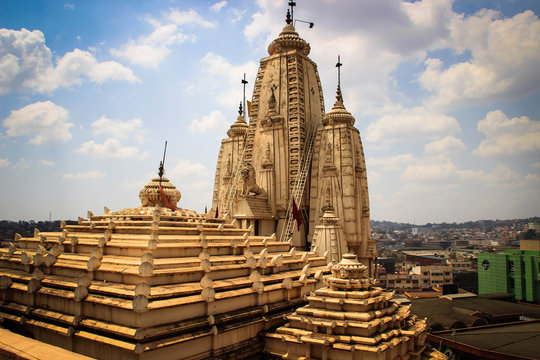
(151, 281)
(349, 319)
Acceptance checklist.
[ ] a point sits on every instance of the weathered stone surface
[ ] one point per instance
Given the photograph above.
(33, 285)
(11, 248)
(80, 293)
(5, 282)
(93, 263)
(146, 269)
(277, 260)
(208, 294)
(38, 274)
(25, 259)
(206, 282)
(38, 259)
(287, 283)
(140, 303)
(142, 289)
(85, 280)
(49, 260)
(148, 257)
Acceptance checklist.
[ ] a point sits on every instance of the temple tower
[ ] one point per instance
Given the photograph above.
(286, 109)
(291, 150)
(339, 183)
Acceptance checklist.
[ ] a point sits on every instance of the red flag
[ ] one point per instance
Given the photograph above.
(164, 199)
(249, 108)
(217, 212)
(296, 215)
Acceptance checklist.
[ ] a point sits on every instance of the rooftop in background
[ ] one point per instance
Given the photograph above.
(488, 342)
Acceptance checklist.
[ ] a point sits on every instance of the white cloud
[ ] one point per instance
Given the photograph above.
(411, 124)
(46, 162)
(505, 56)
(45, 119)
(111, 148)
(149, 51)
(447, 144)
(437, 169)
(390, 163)
(188, 17)
(92, 174)
(26, 64)
(69, 6)
(373, 36)
(22, 164)
(441, 169)
(218, 6)
(186, 170)
(120, 129)
(507, 136)
(237, 14)
(4, 163)
(213, 122)
(218, 66)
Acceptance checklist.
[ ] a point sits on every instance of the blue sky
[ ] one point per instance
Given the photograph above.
(445, 95)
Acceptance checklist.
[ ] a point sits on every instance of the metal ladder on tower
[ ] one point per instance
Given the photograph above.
(299, 185)
(233, 185)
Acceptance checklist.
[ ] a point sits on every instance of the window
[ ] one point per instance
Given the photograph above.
(425, 281)
(426, 273)
(447, 273)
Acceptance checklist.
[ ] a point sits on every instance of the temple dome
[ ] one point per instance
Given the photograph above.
(149, 195)
(288, 40)
(338, 114)
(239, 128)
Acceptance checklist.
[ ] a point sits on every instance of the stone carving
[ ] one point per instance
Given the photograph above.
(149, 195)
(250, 185)
(267, 160)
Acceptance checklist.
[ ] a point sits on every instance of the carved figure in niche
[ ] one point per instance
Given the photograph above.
(229, 165)
(329, 154)
(250, 185)
(267, 161)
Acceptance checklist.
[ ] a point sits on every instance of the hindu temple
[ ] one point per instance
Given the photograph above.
(289, 226)
(292, 163)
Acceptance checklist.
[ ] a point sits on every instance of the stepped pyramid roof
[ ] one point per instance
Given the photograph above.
(349, 319)
(151, 281)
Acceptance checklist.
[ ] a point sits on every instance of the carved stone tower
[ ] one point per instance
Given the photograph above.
(286, 109)
(292, 150)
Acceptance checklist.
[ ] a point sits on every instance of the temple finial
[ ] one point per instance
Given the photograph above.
(161, 171)
(288, 18)
(240, 111)
(339, 96)
(244, 83)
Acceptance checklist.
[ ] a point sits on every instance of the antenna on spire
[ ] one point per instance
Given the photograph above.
(244, 82)
(290, 19)
(311, 24)
(162, 164)
(339, 65)
(339, 97)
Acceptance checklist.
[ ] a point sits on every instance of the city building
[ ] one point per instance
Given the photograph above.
(514, 272)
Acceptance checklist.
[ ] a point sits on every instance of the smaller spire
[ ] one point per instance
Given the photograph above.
(339, 96)
(240, 111)
(288, 19)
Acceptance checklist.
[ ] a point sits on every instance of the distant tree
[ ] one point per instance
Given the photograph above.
(530, 234)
